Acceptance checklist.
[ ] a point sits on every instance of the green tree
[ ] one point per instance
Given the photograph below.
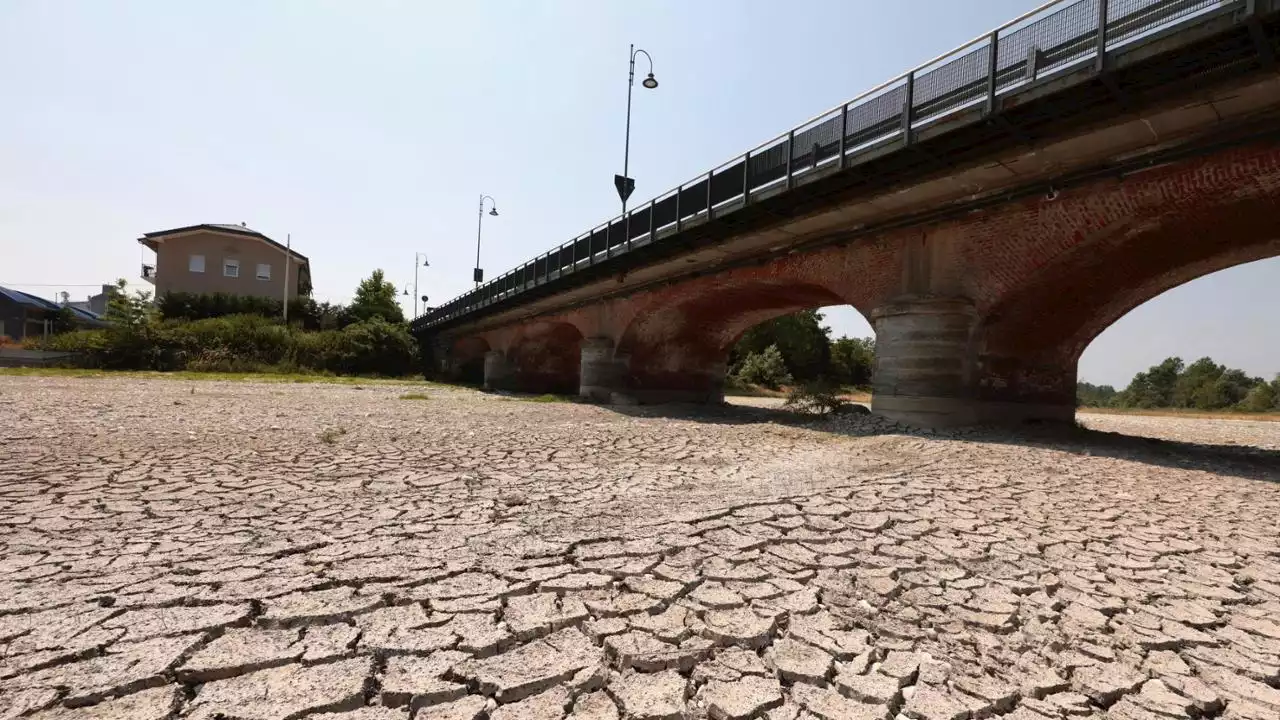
(375, 297)
(63, 321)
(802, 340)
(852, 360)
(1194, 387)
(125, 310)
(1153, 388)
(1262, 397)
(1090, 395)
(764, 368)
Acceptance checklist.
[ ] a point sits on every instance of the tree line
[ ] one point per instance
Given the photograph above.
(798, 348)
(1202, 385)
(224, 333)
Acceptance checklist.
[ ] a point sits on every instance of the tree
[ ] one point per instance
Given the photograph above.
(64, 320)
(1262, 397)
(125, 310)
(852, 360)
(764, 368)
(1153, 388)
(1090, 395)
(375, 297)
(805, 345)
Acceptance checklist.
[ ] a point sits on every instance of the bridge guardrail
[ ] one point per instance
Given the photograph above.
(1058, 36)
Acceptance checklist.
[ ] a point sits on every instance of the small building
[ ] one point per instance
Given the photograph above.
(229, 259)
(95, 304)
(24, 315)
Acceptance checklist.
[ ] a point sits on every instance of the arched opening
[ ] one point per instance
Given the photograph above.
(1210, 344)
(466, 360)
(1029, 344)
(546, 358)
(684, 350)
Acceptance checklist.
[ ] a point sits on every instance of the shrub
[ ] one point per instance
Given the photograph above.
(818, 398)
(243, 343)
(764, 368)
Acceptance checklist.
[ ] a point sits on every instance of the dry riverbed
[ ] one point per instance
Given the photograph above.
(199, 549)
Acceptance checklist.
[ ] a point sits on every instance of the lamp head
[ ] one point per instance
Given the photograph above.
(650, 82)
(493, 211)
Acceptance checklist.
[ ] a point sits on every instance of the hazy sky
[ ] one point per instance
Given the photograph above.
(368, 129)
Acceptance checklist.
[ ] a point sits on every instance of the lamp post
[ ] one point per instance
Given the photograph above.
(416, 257)
(478, 274)
(624, 183)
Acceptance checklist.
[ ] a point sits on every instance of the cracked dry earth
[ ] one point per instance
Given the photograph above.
(174, 549)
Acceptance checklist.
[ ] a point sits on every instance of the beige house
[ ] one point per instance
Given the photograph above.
(230, 259)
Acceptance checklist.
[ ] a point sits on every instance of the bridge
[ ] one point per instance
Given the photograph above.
(991, 212)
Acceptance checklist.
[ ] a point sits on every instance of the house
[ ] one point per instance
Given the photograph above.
(95, 305)
(24, 315)
(229, 259)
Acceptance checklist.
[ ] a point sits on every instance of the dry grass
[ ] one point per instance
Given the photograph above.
(266, 376)
(1181, 413)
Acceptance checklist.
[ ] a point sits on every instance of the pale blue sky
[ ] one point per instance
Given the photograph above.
(367, 130)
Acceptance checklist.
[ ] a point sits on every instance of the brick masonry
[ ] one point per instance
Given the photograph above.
(1044, 276)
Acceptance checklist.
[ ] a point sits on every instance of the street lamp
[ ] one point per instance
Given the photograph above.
(478, 274)
(624, 183)
(416, 257)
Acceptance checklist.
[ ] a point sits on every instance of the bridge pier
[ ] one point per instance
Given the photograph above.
(602, 371)
(499, 371)
(701, 383)
(929, 373)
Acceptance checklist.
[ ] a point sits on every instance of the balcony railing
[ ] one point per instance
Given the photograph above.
(1059, 36)
(149, 273)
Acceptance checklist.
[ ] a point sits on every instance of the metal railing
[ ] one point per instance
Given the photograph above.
(1058, 36)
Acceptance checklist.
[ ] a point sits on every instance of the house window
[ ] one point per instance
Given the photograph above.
(195, 263)
(264, 271)
(231, 268)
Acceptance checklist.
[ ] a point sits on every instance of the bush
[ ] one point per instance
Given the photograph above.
(818, 398)
(764, 368)
(243, 343)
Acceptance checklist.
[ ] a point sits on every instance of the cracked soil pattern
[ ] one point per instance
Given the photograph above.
(257, 551)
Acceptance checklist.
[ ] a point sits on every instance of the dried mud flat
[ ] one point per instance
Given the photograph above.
(173, 549)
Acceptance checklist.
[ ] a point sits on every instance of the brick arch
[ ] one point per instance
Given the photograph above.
(466, 358)
(545, 357)
(1030, 341)
(678, 345)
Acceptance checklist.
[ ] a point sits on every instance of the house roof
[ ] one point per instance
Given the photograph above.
(85, 315)
(29, 300)
(150, 239)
